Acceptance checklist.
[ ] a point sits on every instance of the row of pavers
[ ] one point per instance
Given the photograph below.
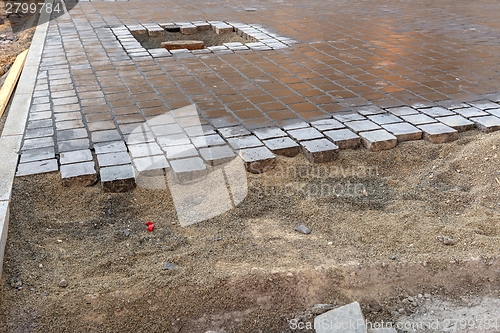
(260, 39)
(189, 146)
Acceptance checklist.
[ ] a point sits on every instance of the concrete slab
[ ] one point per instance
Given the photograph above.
(319, 151)
(4, 226)
(346, 319)
(8, 162)
(438, 133)
(378, 140)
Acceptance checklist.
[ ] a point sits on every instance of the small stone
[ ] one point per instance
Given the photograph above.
(318, 309)
(394, 258)
(168, 266)
(303, 229)
(446, 240)
(40, 265)
(18, 285)
(63, 283)
(126, 232)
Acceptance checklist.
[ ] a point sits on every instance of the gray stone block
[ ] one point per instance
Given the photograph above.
(283, 146)
(167, 129)
(471, 112)
(494, 112)
(349, 116)
(327, 125)
(269, 133)
(173, 140)
(78, 174)
(457, 122)
(117, 179)
(181, 151)
(404, 131)
(37, 154)
(217, 155)
(75, 156)
(319, 151)
(111, 159)
(38, 132)
(346, 319)
(105, 136)
(291, 124)
(231, 132)
(344, 138)
(71, 134)
(439, 133)
(386, 118)
(208, 141)
(437, 112)
(418, 119)
(362, 126)
(484, 105)
(145, 149)
(369, 110)
(305, 134)
(32, 168)
(188, 169)
(402, 111)
(487, 124)
(70, 145)
(38, 143)
(378, 140)
(148, 163)
(258, 160)
(243, 142)
(199, 130)
(109, 147)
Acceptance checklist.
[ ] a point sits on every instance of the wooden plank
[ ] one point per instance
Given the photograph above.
(10, 82)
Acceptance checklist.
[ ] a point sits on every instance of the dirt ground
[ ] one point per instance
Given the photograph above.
(209, 37)
(374, 227)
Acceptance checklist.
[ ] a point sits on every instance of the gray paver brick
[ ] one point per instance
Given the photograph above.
(104, 136)
(292, 124)
(38, 143)
(437, 112)
(418, 119)
(173, 140)
(167, 129)
(70, 145)
(39, 123)
(386, 118)
(351, 116)
(110, 159)
(78, 174)
(438, 133)
(484, 105)
(283, 146)
(494, 112)
(341, 320)
(404, 131)
(32, 168)
(470, 112)
(38, 132)
(457, 122)
(217, 155)
(37, 154)
(231, 132)
(269, 133)
(199, 130)
(149, 163)
(118, 179)
(402, 111)
(327, 125)
(319, 151)
(304, 134)
(362, 126)
(344, 138)
(75, 156)
(378, 140)
(109, 147)
(487, 124)
(258, 160)
(188, 169)
(208, 141)
(145, 149)
(180, 151)
(71, 134)
(243, 142)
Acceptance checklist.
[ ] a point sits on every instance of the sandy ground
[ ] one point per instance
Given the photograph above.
(373, 240)
(209, 37)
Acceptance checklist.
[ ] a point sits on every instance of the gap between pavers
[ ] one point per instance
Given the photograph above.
(12, 135)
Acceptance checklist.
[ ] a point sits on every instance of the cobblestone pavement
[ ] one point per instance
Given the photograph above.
(317, 77)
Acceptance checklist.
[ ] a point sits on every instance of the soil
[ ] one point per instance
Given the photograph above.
(209, 37)
(373, 240)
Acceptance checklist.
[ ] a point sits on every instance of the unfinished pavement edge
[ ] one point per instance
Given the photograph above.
(10, 140)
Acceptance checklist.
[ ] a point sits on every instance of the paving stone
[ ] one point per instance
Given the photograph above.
(386, 118)
(166, 129)
(38, 132)
(378, 140)
(70, 145)
(345, 117)
(457, 122)
(418, 119)
(484, 105)
(438, 133)
(37, 154)
(188, 169)
(319, 151)
(292, 124)
(243, 142)
(145, 149)
(370, 110)
(149, 163)
(71, 134)
(269, 133)
(346, 319)
(69, 124)
(199, 130)
(38, 143)
(75, 156)
(470, 112)
(105, 136)
(344, 138)
(283, 146)
(402, 111)
(452, 105)
(109, 147)
(437, 112)
(304, 134)
(494, 112)
(217, 155)
(117, 179)
(155, 31)
(258, 160)
(110, 159)
(362, 126)
(231, 132)
(327, 125)
(180, 151)
(79, 174)
(183, 44)
(487, 124)
(140, 137)
(39, 123)
(32, 168)
(404, 131)
(208, 141)
(188, 29)
(173, 140)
